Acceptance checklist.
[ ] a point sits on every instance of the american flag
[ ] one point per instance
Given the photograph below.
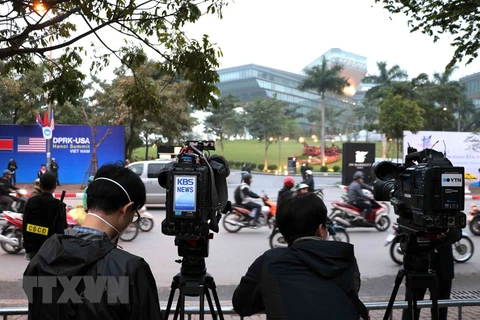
(27, 144)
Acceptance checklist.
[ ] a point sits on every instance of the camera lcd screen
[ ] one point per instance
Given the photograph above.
(185, 192)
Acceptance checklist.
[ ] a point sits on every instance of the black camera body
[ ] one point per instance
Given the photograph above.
(197, 194)
(427, 191)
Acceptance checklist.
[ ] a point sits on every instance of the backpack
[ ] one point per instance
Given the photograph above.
(238, 195)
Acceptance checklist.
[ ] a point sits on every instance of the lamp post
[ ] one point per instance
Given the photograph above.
(49, 109)
(279, 153)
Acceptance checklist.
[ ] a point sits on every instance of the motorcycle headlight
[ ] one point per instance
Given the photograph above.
(474, 209)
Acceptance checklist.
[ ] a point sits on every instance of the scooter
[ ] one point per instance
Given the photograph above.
(335, 233)
(384, 204)
(11, 237)
(349, 216)
(462, 249)
(145, 222)
(240, 216)
(18, 205)
(474, 220)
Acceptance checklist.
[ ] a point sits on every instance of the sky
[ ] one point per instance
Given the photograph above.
(288, 35)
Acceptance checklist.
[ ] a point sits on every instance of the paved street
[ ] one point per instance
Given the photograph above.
(231, 254)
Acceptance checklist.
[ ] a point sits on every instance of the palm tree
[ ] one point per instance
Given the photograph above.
(385, 77)
(323, 79)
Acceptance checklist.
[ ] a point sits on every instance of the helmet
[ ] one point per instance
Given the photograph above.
(7, 172)
(247, 177)
(53, 159)
(302, 186)
(358, 175)
(288, 182)
(36, 182)
(309, 172)
(90, 179)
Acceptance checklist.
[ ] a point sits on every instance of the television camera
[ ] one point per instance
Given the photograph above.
(428, 194)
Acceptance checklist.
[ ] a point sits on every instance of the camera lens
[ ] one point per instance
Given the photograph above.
(383, 190)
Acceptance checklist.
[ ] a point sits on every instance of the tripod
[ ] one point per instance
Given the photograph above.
(419, 275)
(193, 281)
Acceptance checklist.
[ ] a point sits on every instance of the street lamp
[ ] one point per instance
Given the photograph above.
(301, 139)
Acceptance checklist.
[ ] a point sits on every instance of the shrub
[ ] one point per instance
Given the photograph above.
(238, 164)
(272, 167)
(336, 168)
(231, 163)
(323, 169)
(261, 166)
(253, 166)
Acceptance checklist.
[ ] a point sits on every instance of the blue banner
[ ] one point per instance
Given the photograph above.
(71, 146)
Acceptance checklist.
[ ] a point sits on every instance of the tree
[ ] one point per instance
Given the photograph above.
(434, 18)
(323, 79)
(398, 114)
(36, 28)
(384, 78)
(222, 119)
(22, 95)
(266, 119)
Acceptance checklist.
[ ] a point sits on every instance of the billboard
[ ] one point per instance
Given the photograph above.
(71, 146)
(357, 157)
(462, 148)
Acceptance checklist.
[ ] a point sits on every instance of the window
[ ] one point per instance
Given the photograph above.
(137, 168)
(154, 169)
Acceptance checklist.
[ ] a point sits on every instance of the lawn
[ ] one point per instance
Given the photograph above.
(252, 151)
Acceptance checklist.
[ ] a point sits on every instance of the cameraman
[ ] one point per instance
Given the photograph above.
(307, 280)
(356, 196)
(245, 196)
(91, 250)
(443, 265)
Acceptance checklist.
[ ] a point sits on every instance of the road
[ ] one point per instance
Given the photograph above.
(231, 254)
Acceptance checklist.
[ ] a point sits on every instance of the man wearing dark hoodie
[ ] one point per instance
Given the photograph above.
(90, 254)
(307, 280)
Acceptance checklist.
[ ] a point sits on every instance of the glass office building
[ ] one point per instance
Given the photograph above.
(250, 82)
(472, 87)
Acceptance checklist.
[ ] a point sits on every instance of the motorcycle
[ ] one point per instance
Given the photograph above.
(145, 222)
(474, 220)
(240, 216)
(11, 237)
(11, 234)
(384, 204)
(349, 216)
(462, 249)
(335, 233)
(18, 205)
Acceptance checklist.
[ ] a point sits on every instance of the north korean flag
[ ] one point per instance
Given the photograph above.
(6, 144)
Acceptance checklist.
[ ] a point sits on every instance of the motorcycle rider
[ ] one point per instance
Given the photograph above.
(5, 188)
(302, 188)
(244, 196)
(356, 197)
(286, 191)
(36, 188)
(309, 180)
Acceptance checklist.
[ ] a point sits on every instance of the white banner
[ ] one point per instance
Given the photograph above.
(462, 148)
(47, 133)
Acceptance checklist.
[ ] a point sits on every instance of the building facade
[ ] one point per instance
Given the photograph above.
(472, 87)
(250, 82)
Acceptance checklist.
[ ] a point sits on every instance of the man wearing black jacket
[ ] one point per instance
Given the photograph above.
(307, 280)
(43, 216)
(90, 252)
(5, 188)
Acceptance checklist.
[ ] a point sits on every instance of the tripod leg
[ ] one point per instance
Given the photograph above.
(415, 311)
(217, 301)
(398, 281)
(210, 304)
(434, 298)
(202, 304)
(170, 299)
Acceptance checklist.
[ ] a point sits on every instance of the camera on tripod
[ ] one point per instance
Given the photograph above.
(427, 191)
(197, 194)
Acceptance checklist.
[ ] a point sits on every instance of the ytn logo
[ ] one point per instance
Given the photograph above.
(452, 179)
